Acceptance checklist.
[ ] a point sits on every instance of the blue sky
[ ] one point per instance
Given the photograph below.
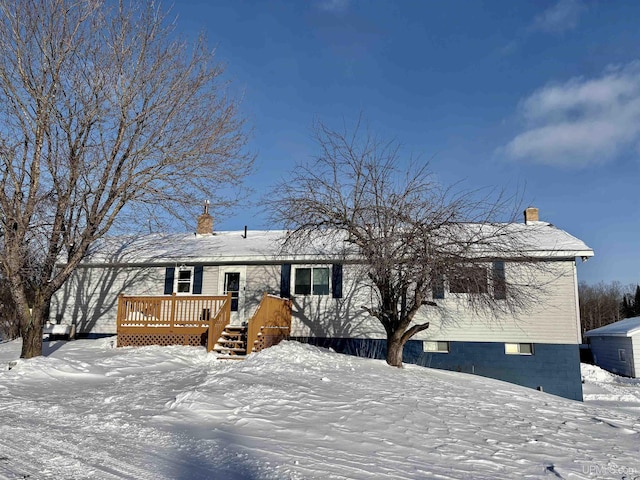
(541, 95)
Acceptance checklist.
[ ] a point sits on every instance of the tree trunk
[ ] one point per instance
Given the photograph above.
(9, 323)
(395, 347)
(31, 325)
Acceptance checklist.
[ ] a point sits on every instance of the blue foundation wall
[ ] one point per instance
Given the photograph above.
(553, 368)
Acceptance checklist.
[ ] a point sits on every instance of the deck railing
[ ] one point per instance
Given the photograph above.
(169, 320)
(270, 323)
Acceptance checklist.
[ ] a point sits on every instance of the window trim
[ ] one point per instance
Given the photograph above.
(496, 284)
(177, 282)
(235, 294)
(482, 291)
(440, 346)
(243, 298)
(518, 350)
(311, 268)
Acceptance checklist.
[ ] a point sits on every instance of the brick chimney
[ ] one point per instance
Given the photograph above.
(205, 222)
(531, 215)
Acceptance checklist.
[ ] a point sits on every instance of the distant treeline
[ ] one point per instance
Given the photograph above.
(605, 303)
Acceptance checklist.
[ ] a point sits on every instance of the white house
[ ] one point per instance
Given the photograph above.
(538, 349)
(616, 347)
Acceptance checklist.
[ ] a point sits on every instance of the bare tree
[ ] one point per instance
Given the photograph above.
(9, 317)
(105, 115)
(9, 328)
(605, 303)
(410, 234)
(631, 302)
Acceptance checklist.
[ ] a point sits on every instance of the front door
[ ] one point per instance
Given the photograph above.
(232, 280)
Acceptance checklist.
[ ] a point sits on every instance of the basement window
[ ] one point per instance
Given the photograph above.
(518, 348)
(435, 346)
(312, 281)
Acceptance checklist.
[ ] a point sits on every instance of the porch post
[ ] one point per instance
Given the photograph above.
(228, 309)
(119, 319)
(173, 310)
(212, 316)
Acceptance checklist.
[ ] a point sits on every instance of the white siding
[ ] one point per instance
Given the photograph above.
(260, 279)
(635, 340)
(210, 280)
(325, 316)
(549, 318)
(90, 297)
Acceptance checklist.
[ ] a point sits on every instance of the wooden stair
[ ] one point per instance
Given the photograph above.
(232, 344)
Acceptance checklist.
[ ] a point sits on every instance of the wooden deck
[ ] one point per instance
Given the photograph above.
(199, 320)
(172, 320)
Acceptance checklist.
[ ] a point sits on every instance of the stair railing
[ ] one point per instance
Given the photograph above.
(270, 323)
(218, 322)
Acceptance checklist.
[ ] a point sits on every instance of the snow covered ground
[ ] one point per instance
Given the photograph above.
(88, 410)
(609, 390)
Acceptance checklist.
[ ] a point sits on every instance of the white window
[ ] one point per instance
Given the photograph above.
(184, 280)
(312, 281)
(435, 346)
(518, 348)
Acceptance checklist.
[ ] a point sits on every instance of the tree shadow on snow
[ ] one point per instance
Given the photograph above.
(50, 346)
(226, 459)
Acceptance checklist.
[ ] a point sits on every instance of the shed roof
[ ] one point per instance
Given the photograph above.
(622, 328)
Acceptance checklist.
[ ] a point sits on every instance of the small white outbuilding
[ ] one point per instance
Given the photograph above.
(616, 347)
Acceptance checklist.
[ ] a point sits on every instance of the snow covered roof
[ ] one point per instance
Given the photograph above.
(622, 328)
(231, 246)
(538, 238)
(532, 238)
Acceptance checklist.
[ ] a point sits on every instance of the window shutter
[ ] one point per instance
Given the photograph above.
(438, 289)
(499, 281)
(168, 280)
(336, 280)
(197, 279)
(285, 280)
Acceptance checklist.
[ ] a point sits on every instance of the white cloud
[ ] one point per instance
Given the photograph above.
(582, 121)
(557, 19)
(334, 6)
(560, 17)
